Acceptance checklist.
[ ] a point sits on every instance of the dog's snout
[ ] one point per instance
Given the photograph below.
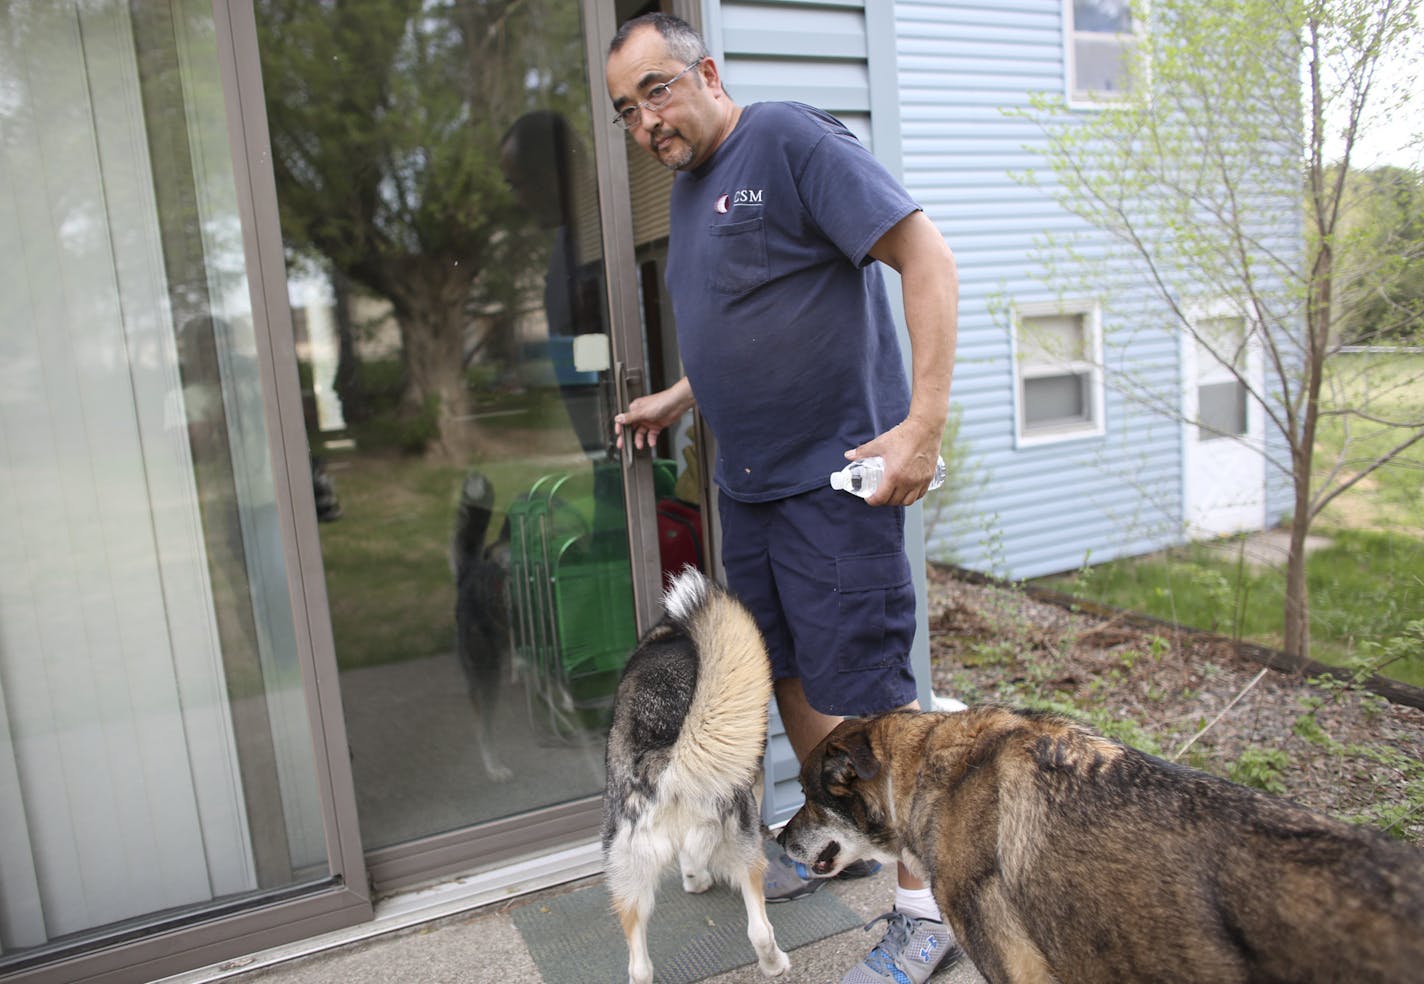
(791, 844)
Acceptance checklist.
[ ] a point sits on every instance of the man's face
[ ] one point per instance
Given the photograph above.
(685, 131)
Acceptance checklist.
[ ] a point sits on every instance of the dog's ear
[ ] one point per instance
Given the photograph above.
(848, 758)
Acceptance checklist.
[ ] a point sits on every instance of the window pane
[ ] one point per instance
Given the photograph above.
(1220, 342)
(157, 754)
(1055, 339)
(1055, 400)
(1100, 66)
(482, 591)
(1103, 16)
(1221, 410)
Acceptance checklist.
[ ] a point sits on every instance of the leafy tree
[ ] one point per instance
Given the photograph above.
(1194, 176)
(386, 118)
(1381, 297)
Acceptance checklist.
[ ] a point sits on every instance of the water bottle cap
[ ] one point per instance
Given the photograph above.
(838, 480)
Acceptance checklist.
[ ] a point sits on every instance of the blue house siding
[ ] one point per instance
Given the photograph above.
(1048, 507)
(815, 53)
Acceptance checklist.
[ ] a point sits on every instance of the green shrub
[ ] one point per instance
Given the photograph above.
(1261, 768)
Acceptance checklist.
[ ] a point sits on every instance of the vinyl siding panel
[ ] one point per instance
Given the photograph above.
(812, 53)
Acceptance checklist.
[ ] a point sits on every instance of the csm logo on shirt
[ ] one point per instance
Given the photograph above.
(747, 197)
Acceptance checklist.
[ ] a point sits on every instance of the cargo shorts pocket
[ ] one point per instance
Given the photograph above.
(877, 611)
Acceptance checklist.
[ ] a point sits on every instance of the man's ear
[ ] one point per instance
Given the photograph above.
(848, 758)
(710, 74)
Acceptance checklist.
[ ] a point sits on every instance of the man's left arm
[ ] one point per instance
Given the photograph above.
(930, 283)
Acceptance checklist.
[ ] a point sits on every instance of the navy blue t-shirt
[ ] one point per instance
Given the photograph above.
(782, 317)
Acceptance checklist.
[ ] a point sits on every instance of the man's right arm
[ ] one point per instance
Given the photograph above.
(648, 415)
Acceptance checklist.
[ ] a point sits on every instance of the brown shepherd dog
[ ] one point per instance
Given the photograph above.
(1060, 855)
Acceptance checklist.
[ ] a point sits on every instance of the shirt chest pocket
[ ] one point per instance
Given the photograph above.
(738, 256)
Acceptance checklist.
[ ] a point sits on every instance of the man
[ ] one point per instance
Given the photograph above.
(777, 214)
(537, 157)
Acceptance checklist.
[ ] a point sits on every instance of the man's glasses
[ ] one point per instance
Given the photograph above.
(658, 97)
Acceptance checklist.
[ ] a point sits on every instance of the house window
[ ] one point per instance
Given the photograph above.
(1058, 383)
(1100, 39)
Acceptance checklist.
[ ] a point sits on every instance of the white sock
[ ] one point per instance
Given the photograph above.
(917, 903)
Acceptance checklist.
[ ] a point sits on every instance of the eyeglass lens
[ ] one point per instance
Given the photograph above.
(658, 96)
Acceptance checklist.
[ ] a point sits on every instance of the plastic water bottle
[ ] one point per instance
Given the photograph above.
(863, 477)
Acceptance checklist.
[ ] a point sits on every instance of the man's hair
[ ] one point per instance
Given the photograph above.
(683, 43)
(540, 141)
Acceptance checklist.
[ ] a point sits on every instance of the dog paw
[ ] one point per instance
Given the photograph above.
(696, 882)
(775, 965)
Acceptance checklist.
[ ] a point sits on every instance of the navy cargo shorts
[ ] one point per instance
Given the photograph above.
(828, 581)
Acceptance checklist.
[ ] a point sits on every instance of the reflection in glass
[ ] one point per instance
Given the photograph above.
(440, 212)
(155, 752)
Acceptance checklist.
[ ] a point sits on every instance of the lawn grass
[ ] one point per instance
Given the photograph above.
(1391, 498)
(1366, 586)
(387, 569)
(387, 559)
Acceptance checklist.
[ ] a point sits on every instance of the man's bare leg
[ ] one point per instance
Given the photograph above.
(806, 726)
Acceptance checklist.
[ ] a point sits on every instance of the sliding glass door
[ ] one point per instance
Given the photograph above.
(317, 564)
(443, 213)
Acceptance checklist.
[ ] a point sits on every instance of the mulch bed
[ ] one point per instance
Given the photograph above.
(1349, 752)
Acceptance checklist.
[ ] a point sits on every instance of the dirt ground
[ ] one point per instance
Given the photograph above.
(1347, 752)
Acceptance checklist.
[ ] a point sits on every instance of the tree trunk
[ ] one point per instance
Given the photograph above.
(1297, 607)
(349, 386)
(435, 377)
(1320, 286)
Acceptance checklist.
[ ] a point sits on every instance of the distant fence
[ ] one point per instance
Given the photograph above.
(1382, 349)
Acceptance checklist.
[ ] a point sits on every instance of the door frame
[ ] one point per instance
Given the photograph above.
(625, 318)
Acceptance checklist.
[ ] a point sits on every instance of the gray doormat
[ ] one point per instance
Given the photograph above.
(576, 939)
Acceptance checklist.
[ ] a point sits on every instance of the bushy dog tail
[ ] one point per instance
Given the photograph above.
(722, 738)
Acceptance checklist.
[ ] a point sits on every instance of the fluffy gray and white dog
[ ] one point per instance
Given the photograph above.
(482, 639)
(684, 765)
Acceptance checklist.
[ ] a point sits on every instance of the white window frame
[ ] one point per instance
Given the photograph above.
(1091, 369)
(1077, 97)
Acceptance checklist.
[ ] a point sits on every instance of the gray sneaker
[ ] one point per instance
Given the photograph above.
(909, 952)
(785, 880)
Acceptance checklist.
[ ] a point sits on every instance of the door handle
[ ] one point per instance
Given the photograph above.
(628, 386)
